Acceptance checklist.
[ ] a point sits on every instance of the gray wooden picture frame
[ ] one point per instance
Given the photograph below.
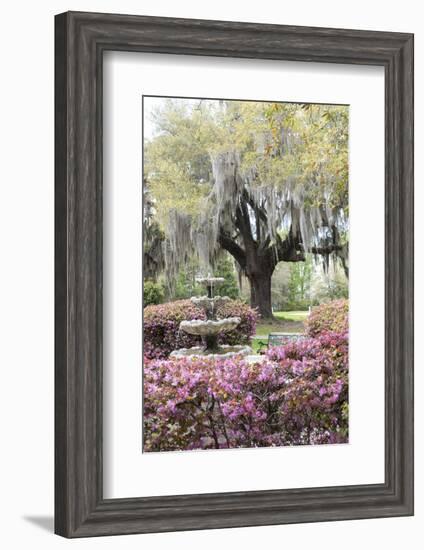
(80, 40)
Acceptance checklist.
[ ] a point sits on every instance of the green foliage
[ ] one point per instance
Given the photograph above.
(177, 162)
(292, 285)
(279, 142)
(153, 238)
(299, 285)
(185, 285)
(279, 286)
(330, 317)
(153, 293)
(330, 285)
(296, 286)
(311, 142)
(225, 268)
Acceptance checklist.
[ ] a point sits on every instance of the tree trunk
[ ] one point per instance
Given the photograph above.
(255, 254)
(260, 292)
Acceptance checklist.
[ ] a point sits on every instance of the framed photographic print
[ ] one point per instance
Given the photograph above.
(234, 274)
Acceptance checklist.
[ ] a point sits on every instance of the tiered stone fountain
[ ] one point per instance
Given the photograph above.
(212, 327)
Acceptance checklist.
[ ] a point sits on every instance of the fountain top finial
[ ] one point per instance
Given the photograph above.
(209, 282)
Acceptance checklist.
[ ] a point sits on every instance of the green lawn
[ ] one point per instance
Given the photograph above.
(255, 344)
(263, 329)
(286, 321)
(291, 315)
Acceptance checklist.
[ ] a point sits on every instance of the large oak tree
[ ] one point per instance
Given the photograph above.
(266, 182)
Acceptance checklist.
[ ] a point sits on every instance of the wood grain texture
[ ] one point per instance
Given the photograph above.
(81, 39)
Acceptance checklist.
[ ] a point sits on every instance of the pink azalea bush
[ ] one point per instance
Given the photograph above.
(161, 334)
(332, 316)
(297, 396)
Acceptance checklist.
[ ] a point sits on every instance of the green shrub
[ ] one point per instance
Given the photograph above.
(152, 293)
(225, 269)
(330, 317)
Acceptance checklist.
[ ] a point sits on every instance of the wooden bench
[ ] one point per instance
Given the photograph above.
(278, 339)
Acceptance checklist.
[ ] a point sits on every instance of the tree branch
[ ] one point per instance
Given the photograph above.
(264, 245)
(289, 249)
(325, 250)
(233, 248)
(243, 222)
(259, 210)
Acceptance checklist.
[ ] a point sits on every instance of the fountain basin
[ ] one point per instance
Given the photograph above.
(198, 327)
(224, 352)
(209, 281)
